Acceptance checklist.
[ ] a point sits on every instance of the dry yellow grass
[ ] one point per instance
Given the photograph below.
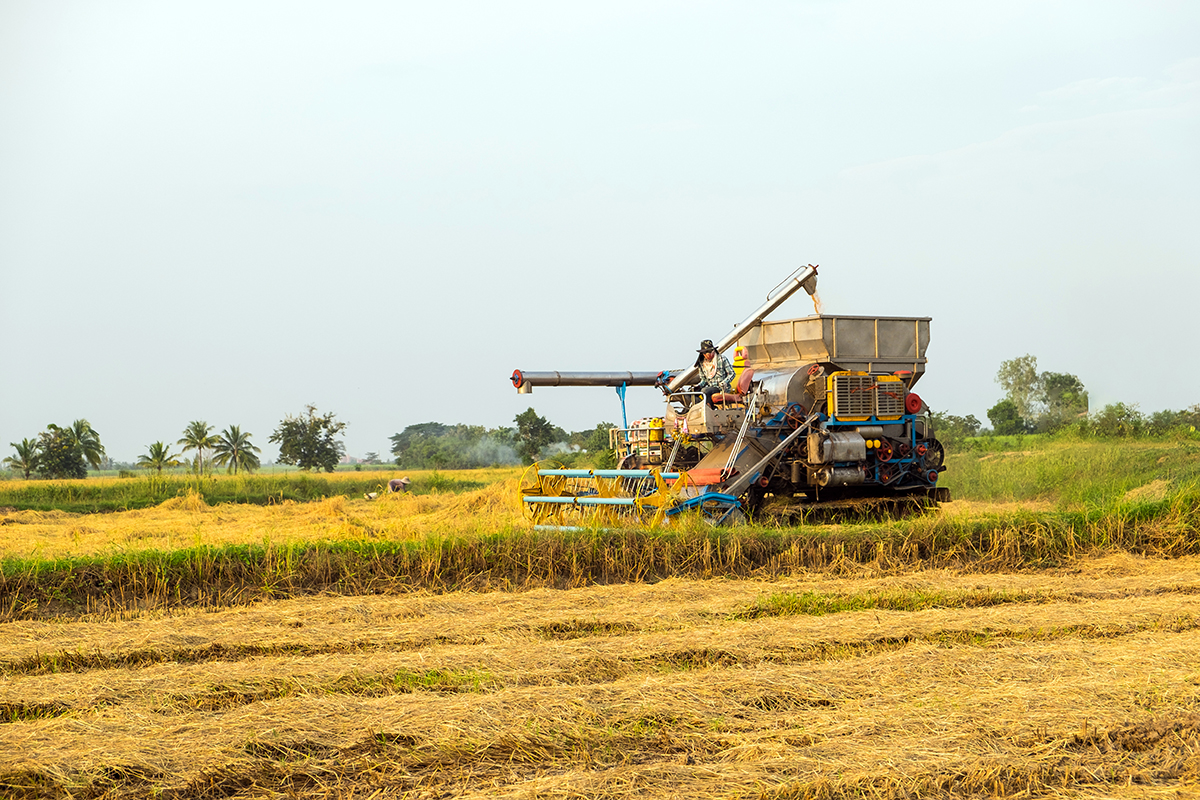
(1154, 490)
(971, 507)
(639, 690)
(187, 521)
(626, 691)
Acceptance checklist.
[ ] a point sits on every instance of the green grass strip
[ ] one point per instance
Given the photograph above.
(89, 497)
(783, 604)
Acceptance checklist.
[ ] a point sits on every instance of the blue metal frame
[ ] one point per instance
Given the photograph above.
(728, 501)
(904, 463)
(776, 425)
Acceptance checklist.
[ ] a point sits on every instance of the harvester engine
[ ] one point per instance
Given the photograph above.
(822, 413)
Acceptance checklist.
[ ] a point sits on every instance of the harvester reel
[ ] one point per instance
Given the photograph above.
(534, 485)
(657, 504)
(606, 516)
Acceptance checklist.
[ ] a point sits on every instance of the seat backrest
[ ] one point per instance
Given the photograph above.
(743, 384)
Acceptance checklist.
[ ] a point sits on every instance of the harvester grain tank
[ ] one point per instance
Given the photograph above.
(823, 411)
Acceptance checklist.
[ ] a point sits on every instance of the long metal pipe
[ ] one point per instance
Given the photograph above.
(522, 379)
(805, 276)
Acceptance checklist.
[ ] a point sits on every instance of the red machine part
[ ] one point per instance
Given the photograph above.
(913, 403)
(517, 378)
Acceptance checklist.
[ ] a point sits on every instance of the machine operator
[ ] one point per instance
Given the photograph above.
(716, 373)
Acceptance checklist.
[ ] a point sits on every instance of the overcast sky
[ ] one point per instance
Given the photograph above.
(226, 210)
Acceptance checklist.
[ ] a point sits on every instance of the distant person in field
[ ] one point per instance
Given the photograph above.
(395, 485)
(716, 373)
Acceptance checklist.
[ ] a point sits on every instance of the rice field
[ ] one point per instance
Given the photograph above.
(1080, 682)
(432, 645)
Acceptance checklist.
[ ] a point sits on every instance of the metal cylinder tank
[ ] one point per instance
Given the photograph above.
(828, 448)
(840, 476)
(785, 386)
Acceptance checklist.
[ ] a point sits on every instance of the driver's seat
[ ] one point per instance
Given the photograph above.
(726, 399)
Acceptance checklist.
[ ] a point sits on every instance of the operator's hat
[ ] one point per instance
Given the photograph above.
(706, 346)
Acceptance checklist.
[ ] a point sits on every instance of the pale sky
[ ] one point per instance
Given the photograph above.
(227, 210)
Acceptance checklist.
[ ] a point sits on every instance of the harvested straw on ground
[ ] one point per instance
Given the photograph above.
(657, 690)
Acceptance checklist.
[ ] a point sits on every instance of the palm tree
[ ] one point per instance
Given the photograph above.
(197, 436)
(158, 456)
(26, 457)
(233, 448)
(84, 436)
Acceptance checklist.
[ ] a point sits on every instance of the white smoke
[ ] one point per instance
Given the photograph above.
(488, 451)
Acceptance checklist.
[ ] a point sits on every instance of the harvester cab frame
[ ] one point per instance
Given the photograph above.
(823, 413)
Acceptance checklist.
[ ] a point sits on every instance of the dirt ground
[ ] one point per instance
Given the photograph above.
(647, 690)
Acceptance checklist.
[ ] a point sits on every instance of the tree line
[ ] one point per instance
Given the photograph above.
(312, 442)
(1052, 402)
(308, 441)
(434, 445)
(68, 451)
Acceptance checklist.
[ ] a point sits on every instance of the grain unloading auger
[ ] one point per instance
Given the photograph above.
(822, 414)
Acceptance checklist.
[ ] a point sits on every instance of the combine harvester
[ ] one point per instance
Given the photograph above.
(823, 416)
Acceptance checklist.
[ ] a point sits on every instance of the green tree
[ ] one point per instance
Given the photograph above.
(1063, 399)
(1021, 383)
(233, 450)
(1044, 401)
(310, 441)
(951, 429)
(26, 459)
(1006, 419)
(83, 436)
(533, 433)
(198, 436)
(89, 442)
(433, 445)
(597, 439)
(420, 446)
(60, 454)
(158, 455)
(1160, 422)
(1118, 419)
